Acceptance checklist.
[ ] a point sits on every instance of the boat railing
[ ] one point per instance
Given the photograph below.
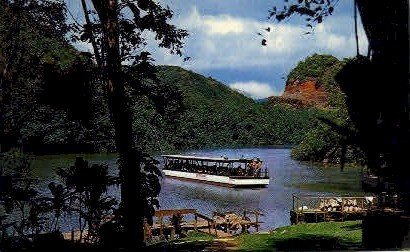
(266, 172)
(220, 170)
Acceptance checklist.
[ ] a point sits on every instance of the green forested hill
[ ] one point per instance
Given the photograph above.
(212, 115)
(216, 116)
(324, 142)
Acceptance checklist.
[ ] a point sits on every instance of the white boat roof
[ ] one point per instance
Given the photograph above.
(212, 159)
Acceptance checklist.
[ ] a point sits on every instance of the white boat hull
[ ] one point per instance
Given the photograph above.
(218, 180)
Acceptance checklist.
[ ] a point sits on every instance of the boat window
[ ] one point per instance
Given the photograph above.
(242, 167)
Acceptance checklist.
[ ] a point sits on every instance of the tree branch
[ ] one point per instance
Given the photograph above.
(92, 38)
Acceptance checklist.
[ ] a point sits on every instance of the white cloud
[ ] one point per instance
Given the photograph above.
(224, 41)
(254, 89)
(224, 26)
(221, 42)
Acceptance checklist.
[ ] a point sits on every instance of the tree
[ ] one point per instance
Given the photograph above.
(382, 121)
(18, 198)
(85, 189)
(116, 38)
(385, 24)
(43, 79)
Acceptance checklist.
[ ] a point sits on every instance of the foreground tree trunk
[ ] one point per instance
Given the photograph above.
(386, 26)
(129, 157)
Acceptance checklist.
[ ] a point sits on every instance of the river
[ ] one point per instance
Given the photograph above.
(275, 201)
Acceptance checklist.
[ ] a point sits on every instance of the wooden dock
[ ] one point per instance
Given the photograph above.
(222, 225)
(308, 208)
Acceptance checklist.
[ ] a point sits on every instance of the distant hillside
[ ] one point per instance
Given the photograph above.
(215, 115)
(198, 89)
(66, 119)
(262, 100)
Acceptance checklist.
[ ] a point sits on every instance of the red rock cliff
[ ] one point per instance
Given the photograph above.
(302, 94)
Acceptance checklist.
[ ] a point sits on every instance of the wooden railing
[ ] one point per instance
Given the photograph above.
(311, 202)
(308, 208)
(161, 226)
(220, 227)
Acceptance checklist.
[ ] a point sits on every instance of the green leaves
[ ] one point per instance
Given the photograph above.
(334, 130)
(312, 67)
(84, 193)
(314, 10)
(217, 116)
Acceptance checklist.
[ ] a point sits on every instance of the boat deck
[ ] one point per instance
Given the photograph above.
(221, 171)
(226, 181)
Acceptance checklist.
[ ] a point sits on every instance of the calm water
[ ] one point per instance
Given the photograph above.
(275, 201)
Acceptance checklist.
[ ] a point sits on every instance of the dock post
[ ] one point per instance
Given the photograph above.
(257, 222)
(172, 232)
(161, 231)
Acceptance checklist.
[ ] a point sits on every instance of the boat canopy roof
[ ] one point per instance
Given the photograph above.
(209, 159)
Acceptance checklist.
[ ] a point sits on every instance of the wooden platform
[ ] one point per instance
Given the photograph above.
(221, 225)
(309, 208)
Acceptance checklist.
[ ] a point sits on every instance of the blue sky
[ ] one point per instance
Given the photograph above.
(224, 44)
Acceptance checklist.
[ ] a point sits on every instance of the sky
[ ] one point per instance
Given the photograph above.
(224, 44)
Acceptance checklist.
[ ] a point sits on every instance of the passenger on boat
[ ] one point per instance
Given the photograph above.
(237, 171)
(251, 168)
(254, 167)
(240, 171)
(180, 165)
(171, 164)
(258, 168)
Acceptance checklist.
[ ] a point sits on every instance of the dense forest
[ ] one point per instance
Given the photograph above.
(214, 115)
(63, 119)
(58, 106)
(327, 141)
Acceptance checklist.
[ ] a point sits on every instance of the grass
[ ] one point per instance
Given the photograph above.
(194, 241)
(198, 236)
(334, 180)
(310, 236)
(331, 187)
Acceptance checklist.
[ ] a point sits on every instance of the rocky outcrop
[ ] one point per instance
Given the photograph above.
(302, 94)
(308, 84)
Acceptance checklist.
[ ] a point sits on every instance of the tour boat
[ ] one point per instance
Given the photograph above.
(217, 170)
